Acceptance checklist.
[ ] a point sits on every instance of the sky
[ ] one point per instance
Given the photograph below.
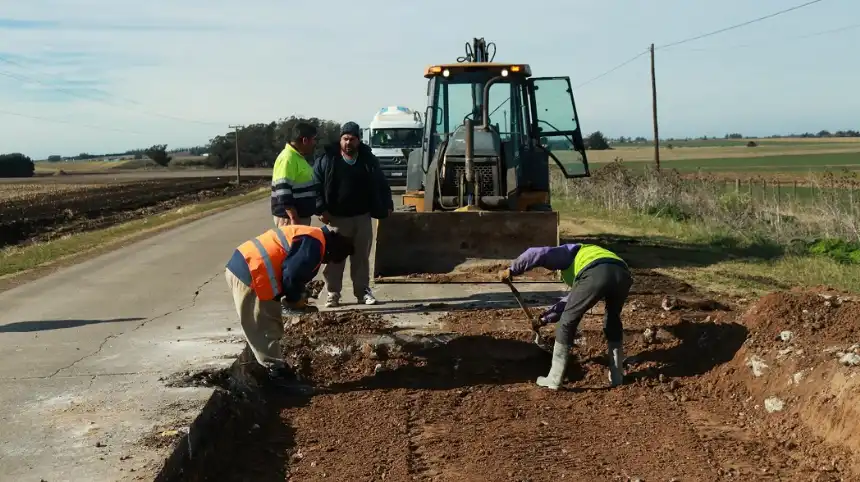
(110, 75)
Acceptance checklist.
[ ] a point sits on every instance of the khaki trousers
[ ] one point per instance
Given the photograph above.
(360, 229)
(261, 322)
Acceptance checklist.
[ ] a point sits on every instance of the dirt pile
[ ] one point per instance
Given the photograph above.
(483, 273)
(326, 347)
(798, 372)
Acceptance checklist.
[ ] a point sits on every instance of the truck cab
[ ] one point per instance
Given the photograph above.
(394, 133)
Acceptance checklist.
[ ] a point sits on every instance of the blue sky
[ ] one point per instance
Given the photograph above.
(179, 72)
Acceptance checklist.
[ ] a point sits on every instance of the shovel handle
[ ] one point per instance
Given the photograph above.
(534, 321)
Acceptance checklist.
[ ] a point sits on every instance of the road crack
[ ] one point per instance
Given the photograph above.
(116, 335)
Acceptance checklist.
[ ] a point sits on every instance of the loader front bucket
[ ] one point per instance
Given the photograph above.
(466, 246)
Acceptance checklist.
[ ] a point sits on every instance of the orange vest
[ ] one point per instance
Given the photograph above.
(266, 253)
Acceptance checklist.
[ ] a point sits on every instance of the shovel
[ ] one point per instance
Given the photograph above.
(532, 319)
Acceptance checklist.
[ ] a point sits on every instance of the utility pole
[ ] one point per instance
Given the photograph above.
(654, 109)
(236, 141)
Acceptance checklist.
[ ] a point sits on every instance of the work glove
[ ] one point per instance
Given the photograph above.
(553, 313)
(505, 276)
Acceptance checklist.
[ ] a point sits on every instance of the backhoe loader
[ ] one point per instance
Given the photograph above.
(478, 191)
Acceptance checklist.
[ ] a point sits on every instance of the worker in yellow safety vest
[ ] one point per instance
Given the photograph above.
(274, 269)
(293, 188)
(593, 273)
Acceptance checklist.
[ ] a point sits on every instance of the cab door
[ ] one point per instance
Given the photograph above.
(555, 125)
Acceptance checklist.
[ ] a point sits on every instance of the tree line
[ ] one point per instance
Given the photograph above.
(259, 145)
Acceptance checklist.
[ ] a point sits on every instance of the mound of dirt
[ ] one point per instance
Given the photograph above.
(796, 377)
(324, 347)
(483, 273)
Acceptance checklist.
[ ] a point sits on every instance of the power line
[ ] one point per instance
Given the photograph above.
(613, 69)
(748, 22)
(690, 39)
(97, 99)
(74, 123)
(781, 40)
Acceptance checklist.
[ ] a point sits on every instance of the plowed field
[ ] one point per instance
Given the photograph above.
(43, 211)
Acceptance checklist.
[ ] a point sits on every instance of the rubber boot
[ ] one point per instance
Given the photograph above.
(554, 379)
(616, 363)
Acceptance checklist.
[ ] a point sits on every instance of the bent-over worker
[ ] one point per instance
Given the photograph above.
(593, 273)
(272, 269)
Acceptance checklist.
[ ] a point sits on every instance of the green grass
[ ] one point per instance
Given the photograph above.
(18, 259)
(811, 143)
(709, 258)
(782, 163)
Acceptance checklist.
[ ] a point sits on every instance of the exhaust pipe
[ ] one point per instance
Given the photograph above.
(470, 163)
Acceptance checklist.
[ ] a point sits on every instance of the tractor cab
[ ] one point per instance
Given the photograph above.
(525, 121)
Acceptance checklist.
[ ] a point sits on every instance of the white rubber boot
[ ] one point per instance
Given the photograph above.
(554, 379)
(616, 364)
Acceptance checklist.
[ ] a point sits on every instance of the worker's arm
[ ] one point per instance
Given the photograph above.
(300, 267)
(554, 258)
(382, 183)
(320, 165)
(282, 193)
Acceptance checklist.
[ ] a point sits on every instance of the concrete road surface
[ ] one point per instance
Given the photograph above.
(84, 351)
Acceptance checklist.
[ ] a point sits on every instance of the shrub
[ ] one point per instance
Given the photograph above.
(16, 165)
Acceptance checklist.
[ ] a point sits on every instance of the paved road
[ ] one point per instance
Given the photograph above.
(83, 351)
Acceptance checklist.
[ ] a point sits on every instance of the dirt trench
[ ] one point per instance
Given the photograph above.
(461, 404)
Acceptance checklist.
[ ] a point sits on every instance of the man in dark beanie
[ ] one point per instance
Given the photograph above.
(352, 189)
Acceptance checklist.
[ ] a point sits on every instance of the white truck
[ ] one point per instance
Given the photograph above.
(393, 133)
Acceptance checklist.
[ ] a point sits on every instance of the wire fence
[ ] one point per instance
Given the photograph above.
(825, 205)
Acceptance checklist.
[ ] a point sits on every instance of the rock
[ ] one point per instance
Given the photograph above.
(757, 365)
(786, 335)
(649, 336)
(669, 303)
(773, 404)
(850, 359)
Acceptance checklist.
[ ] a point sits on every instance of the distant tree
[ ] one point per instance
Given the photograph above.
(824, 133)
(752, 144)
(734, 136)
(158, 153)
(16, 165)
(597, 142)
(260, 144)
(55, 158)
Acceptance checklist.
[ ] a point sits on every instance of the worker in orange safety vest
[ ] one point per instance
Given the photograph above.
(271, 271)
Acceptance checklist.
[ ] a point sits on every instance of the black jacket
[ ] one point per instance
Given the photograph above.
(381, 200)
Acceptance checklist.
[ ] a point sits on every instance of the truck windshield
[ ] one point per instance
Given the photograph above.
(396, 138)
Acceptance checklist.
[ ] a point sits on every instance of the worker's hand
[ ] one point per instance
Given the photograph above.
(553, 313)
(505, 276)
(293, 216)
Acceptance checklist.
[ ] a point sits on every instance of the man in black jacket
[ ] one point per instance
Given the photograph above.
(352, 189)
